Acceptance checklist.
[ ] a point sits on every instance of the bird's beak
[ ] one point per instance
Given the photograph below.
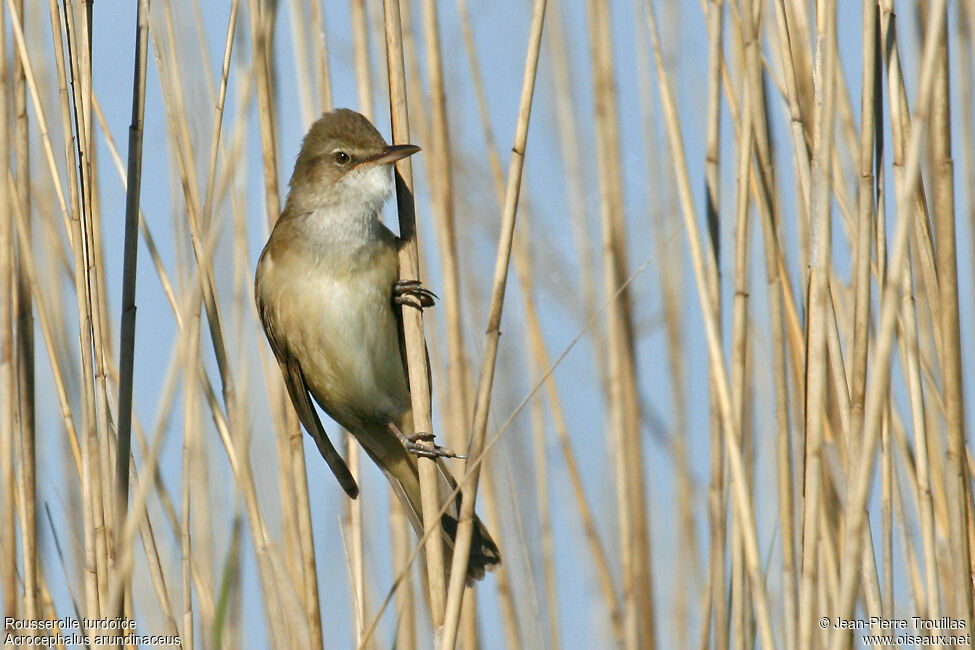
(391, 154)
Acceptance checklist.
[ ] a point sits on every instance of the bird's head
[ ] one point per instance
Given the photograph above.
(344, 163)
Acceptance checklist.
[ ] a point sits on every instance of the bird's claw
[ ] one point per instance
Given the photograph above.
(413, 294)
(412, 443)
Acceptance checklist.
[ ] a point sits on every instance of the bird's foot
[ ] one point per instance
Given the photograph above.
(412, 443)
(413, 294)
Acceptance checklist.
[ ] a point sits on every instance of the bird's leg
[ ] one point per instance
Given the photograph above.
(412, 293)
(411, 443)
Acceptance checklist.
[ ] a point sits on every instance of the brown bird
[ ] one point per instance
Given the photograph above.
(328, 294)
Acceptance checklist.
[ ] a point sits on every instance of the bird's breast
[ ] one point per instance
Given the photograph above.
(342, 329)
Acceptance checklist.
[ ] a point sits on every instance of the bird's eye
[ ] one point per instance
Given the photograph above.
(341, 158)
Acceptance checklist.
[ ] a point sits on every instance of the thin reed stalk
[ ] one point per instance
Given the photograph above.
(442, 186)
(869, 112)
(296, 474)
(299, 46)
(623, 405)
(191, 417)
(816, 324)
(441, 181)
(509, 611)
(465, 528)
(416, 359)
(740, 613)
(133, 186)
(354, 506)
(260, 36)
(776, 280)
(24, 340)
(545, 516)
(957, 479)
(8, 393)
(78, 25)
(717, 519)
(569, 129)
(921, 456)
(966, 90)
(406, 618)
(320, 47)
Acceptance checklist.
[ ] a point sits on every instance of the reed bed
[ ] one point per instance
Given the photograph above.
(728, 243)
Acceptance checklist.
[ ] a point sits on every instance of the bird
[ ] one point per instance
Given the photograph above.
(329, 299)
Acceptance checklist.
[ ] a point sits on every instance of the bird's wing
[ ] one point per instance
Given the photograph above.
(298, 391)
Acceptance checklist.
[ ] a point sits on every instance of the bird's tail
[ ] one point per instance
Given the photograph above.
(401, 469)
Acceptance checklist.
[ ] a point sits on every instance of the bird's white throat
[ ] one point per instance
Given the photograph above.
(346, 220)
(371, 187)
